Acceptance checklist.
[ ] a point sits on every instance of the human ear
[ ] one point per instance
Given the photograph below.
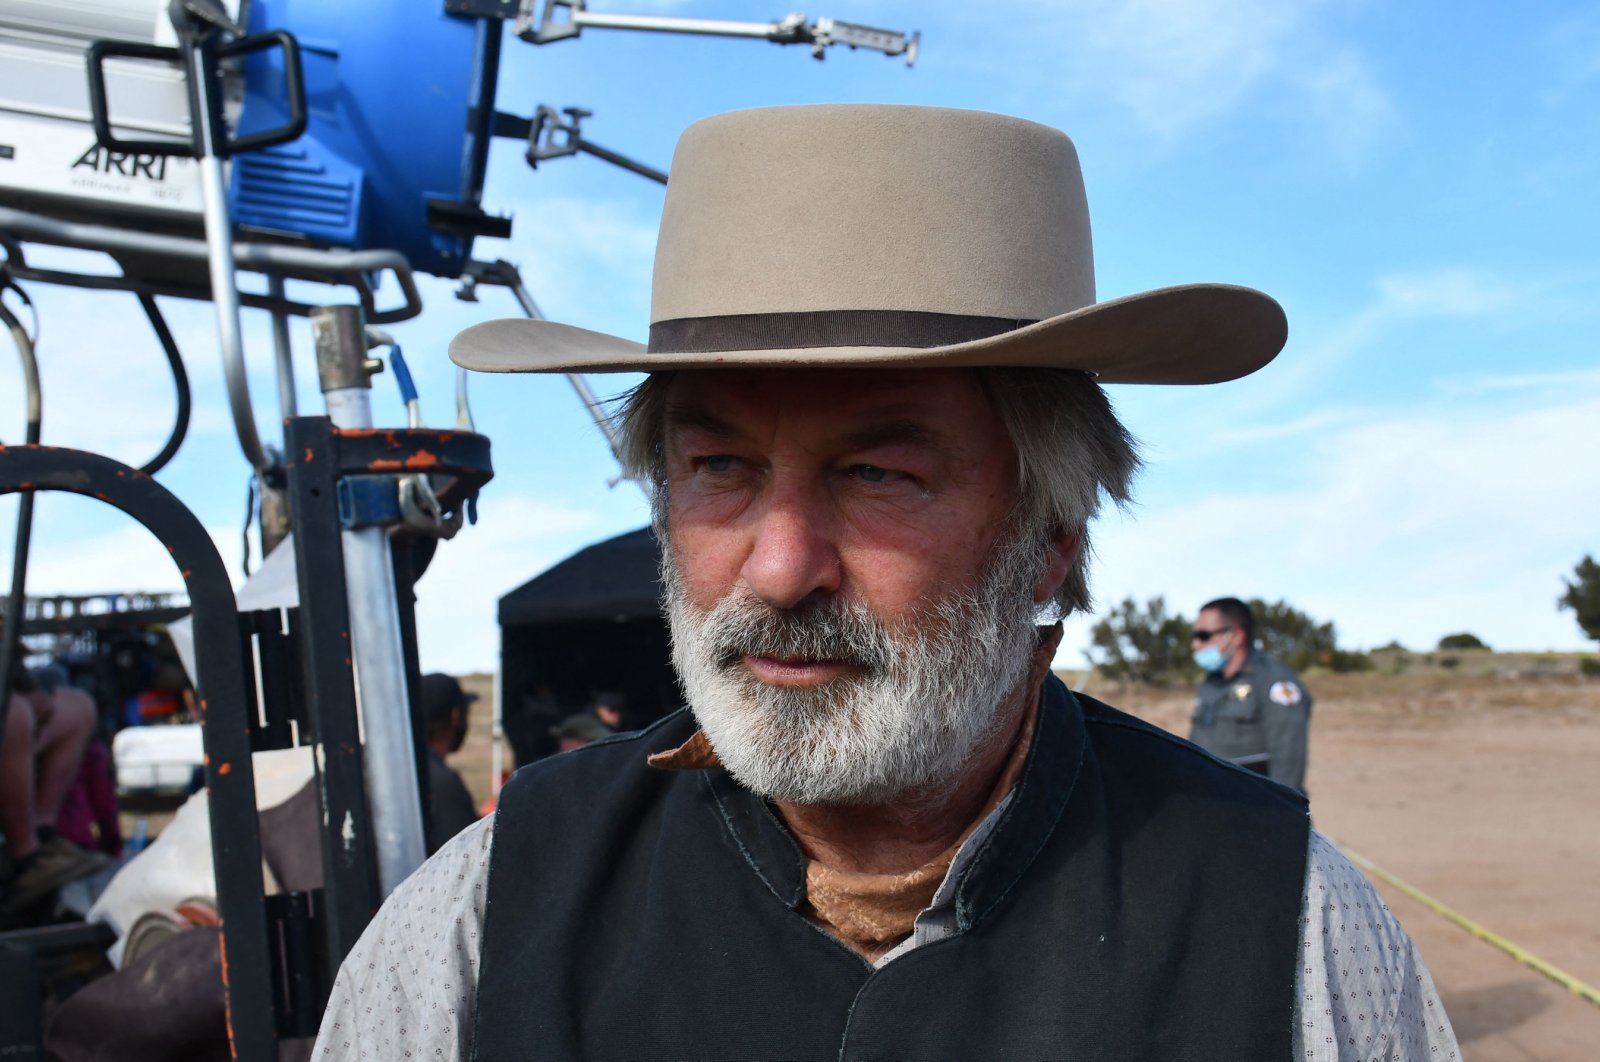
(1061, 548)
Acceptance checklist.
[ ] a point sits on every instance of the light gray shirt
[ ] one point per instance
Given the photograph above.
(409, 987)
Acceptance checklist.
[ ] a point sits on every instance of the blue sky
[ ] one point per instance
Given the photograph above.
(1415, 183)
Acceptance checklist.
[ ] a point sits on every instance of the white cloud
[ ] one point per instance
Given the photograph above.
(1176, 66)
(518, 537)
(1409, 527)
(589, 260)
(1444, 293)
(107, 386)
(1319, 420)
(119, 556)
(1347, 99)
(1572, 48)
(1469, 386)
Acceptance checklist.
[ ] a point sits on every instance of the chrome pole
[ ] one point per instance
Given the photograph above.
(219, 246)
(283, 351)
(382, 695)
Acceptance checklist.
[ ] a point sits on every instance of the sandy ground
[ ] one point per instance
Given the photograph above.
(1481, 792)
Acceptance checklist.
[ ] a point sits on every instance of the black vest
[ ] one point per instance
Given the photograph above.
(1138, 899)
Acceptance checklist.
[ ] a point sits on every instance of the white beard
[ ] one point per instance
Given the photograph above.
(916, 706)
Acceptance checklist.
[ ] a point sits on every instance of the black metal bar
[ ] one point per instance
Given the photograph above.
(99, 107)
(294, 90)
(17, 599)
(481, 116)
(433, 450)
(235, 831)
(300, 996)
(619, 159)
(278, 686)
(21, 1029)
(294, 673)
(260, 735)
(349, 867)
(52, 942)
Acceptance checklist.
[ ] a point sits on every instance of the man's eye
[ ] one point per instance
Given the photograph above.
(717, 463)
(873, 474)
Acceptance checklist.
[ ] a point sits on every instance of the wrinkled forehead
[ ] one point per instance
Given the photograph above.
(941, 408)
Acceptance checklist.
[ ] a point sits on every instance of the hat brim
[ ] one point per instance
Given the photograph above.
(1189, 334)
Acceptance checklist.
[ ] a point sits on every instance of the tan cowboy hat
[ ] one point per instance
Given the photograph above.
(867, 235)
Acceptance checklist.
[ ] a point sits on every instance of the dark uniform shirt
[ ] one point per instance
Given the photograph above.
(1258, 718)
(450, 803)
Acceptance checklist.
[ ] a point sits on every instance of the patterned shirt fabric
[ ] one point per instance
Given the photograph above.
(409, 988)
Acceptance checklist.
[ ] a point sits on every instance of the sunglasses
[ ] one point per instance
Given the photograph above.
(1206, 636)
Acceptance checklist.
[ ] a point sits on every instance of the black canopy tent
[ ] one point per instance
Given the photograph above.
(591, 623)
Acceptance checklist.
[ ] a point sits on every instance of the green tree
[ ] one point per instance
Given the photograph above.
(1291, 635)
(1146, 643)
(1142, 643)
(1464, 640)
(1300, 641)
(1583, 597)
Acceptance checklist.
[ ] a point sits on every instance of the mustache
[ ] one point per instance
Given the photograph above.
(741, 625)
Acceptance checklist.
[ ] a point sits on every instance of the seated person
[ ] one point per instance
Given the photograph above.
(45, 737)
(576, 731)
(89, 812)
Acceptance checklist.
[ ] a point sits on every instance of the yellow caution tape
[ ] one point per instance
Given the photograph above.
(1533, 962)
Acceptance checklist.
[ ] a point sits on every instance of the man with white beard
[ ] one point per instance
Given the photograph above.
(875, 439)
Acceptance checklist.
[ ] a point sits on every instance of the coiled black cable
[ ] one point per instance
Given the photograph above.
(16, 602)
(180, 381)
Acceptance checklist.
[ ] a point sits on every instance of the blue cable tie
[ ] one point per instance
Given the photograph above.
(402, 375)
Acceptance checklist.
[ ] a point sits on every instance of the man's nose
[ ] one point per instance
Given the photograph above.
(793, 554)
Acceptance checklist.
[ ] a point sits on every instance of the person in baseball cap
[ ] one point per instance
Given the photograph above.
(445, 710)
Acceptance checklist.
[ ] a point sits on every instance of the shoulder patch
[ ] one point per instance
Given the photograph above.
(1242, 690)
(1285, 693)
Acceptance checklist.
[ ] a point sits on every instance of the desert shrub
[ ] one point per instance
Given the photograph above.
(1583, 597)
(1392, 647)
(1300, 641)
(1589, 667)
(1347, 660)
(1449, 663)
(1464, 640)
(1291, 635)
(1142, 643)
(1146, 643)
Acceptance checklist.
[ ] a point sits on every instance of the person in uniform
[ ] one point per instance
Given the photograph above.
(445, 708)
(1251, 707)
(875, 438)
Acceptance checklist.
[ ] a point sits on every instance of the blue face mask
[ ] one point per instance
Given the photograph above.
(1210, 658)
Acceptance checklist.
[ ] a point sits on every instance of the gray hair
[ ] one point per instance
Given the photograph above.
(1071, 451)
